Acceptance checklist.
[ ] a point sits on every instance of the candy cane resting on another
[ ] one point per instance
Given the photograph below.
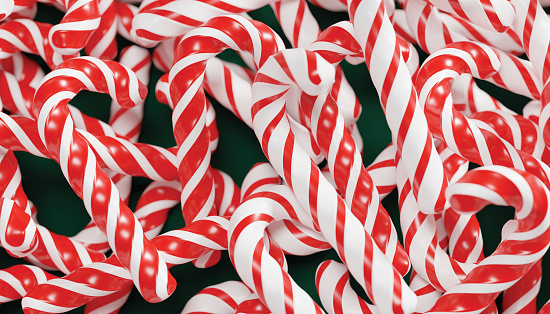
(222, 298)
(531, 237)
(406, 121)
(188, 99)
(57, 131)
(249, 249)
(314, 192)
(176, 246)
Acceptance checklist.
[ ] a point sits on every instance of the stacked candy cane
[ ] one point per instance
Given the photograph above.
(316, 191)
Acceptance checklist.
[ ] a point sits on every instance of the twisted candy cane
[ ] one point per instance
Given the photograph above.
(408, 125)
(116, 154)
(292, 237)
(252, 304)
(522, 296)
(76, 289)
(517, 252)
(17, 280)
(328, 210)
(492, 15)
(449, 125)
(257, 267)
(435, 32)
(351, 178)
(31, 37)
(222, 298)
(82, 18)
(92, 184)
(102, 43)
(333, 284)
(187, 97)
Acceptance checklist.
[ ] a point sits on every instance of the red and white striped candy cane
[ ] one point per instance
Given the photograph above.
(177, 247)
(188, 99)
(92, 184)
(18, 234)
(222, 298)
(430, 27)
(102, 43)
(292, 237)
(157, 21)
(250, 254)
(459, 133)
(434, 31)
(151, 211)
(328, 210)
(351, 178)
(23, 68)
(17, 280)
(31, 37)
(427, 258)
(337, 296)
(252, 304)
(496, 16)
(532, 26)
(522, 296)
(125, 15)
(82, 18)
(527, 244)
(57, 252)
(407, 123)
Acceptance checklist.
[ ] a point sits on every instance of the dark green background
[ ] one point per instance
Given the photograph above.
(62, 211)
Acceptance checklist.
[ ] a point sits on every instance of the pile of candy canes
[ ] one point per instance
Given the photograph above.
(315, 194)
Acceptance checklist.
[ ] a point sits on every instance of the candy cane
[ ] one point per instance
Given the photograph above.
(82, 18)
(407, 123)
(434, 32)
(177, 247)
(116, 154)
(252, 304)
(429, 27)
(31, 37)
(495, 16)
(482, 61)
(17, 280)
(522, 296)
(501, 186)
(272, 130)
(188, 100)
(333, 284)
(442, 272)
(102, 43)
(151, 277)
(251, 259)
(222, 298)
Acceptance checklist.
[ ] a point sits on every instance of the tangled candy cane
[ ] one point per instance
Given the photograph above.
(102, 43)
(177, 247)
(31, 37)
(188, 100)
(333, 284)
(314, 192)
(222, 298)
(508, 187)
(435, 32)
(17, 280)
(92, 184)
(449, 125)
(492, 15)
(427, 259)
(257, 267)
(398, 97)
(81, 20)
